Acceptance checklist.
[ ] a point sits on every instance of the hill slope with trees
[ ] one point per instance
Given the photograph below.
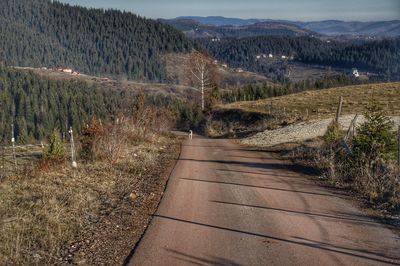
(43, 33)
(381, 57)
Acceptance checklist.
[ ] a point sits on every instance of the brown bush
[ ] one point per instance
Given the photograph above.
(91, 135)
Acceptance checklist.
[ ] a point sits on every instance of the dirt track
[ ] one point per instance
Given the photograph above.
(228, 205)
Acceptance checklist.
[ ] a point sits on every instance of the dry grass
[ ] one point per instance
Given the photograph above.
(323, 103)
(41, 212)
(26, 156)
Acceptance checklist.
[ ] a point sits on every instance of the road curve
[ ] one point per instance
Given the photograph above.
(228, 205)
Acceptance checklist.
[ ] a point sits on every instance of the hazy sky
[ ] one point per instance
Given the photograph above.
(305, 10)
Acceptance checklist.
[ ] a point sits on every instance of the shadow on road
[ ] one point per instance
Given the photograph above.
(348, 218)
(263, 187)
(270, 166)
(359, 253)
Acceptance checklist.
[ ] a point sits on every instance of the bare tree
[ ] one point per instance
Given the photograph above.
(203, 72)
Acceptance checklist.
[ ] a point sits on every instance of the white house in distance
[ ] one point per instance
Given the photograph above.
(355, 73)
(271, 56)
(284, 57)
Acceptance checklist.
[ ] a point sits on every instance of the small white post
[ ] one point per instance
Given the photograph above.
(2, 168)
(13, 145)
(73, 159)
(190, 134)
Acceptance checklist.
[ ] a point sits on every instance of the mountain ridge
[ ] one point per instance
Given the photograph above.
(388, 28)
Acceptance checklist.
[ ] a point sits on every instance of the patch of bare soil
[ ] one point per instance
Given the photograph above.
(115, 235)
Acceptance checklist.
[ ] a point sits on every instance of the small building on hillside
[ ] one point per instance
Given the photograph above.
(355, 73)
(239, 70)
(65, 70)
(271, 56)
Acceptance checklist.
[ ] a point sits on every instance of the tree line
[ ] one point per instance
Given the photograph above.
(254, 92)
(43, 33)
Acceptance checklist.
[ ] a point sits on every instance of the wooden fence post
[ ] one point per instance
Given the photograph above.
(339, 110)
(351, 127)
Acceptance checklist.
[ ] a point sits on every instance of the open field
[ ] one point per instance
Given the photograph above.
(299, 72)
(323, 103)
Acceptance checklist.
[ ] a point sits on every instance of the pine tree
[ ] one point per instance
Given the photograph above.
(55, 150)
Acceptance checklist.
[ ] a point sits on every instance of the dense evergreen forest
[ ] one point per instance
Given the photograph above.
(43, 33)
(381, 57)
(37, 105)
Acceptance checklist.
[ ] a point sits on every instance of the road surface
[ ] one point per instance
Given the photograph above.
(229, 205)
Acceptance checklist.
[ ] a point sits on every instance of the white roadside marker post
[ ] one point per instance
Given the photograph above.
(190, 134)
(73, 159)
(13, 145)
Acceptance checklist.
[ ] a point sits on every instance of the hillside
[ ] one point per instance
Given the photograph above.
(38, 100)
(246, 118)
(43, 33)
(177, 73)
(380, 57)
(323, 103)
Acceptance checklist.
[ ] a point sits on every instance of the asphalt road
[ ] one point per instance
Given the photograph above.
(229, 205)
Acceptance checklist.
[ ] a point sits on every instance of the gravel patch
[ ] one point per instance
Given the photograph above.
(301, 132)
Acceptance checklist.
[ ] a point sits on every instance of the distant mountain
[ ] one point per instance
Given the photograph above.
(336, 27)
(327, 27)
(43, 33)
(195, 29)
(222, 21)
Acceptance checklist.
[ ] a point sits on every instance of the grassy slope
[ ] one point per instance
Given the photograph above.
(323, 103)
(87, 216)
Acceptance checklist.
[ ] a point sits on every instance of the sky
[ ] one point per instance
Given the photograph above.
(301, 10)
